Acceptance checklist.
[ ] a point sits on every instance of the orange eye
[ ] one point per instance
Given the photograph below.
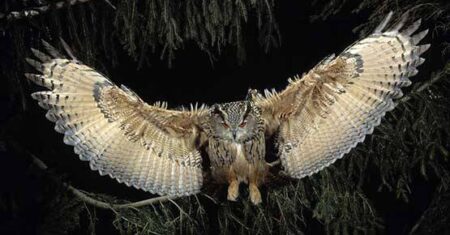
(243, 124)
(225, 124)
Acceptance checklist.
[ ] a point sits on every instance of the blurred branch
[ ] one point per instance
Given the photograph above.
(104, 205)
(426, 84)
(84, 196)
(418, 223)
(431, 220)
(92, 201)
(29, 13)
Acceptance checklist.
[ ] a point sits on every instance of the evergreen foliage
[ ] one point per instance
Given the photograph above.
(411, 145)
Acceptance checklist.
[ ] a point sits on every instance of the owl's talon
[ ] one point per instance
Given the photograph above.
(255, 195)
(233, 191)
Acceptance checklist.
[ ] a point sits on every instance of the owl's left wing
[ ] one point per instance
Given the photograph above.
(327, 112)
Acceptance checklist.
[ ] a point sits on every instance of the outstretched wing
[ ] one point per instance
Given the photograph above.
(327, 112)
(145, 146)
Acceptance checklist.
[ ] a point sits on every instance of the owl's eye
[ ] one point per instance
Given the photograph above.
(243, 123)
(225, 124)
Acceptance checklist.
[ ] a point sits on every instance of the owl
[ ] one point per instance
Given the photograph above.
(316, 119)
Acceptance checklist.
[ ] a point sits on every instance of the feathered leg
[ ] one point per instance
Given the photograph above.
(233, 187)
(256, 177)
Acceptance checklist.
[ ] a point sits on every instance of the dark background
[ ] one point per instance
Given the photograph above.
(192, 78)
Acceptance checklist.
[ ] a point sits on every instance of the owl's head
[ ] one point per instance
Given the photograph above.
(236, 121)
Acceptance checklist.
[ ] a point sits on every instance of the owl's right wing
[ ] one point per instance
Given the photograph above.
(145, 146)
(327, 112)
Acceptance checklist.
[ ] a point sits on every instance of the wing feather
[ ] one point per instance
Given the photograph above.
(333, 107)
(145, 146)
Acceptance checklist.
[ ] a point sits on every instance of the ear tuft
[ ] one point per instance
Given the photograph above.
(215, 109)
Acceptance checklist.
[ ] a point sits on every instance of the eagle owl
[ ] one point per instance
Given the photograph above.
(316, 119)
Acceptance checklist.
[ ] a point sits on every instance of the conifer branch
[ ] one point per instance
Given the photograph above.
(97, 203)
(104, 205)
(84, 196)
(29, 13)
(426, 84)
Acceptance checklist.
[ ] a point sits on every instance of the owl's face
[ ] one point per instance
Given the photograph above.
(235, 121)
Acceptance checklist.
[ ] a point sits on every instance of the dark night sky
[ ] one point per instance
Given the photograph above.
(192, 79)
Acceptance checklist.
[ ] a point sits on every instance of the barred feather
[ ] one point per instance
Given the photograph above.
(333, 107)
(148, 147)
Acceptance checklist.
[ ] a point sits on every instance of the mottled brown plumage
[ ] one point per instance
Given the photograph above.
(236, 147)
(317, 118)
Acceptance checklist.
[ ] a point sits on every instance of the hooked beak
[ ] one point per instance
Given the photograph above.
(233, 132)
